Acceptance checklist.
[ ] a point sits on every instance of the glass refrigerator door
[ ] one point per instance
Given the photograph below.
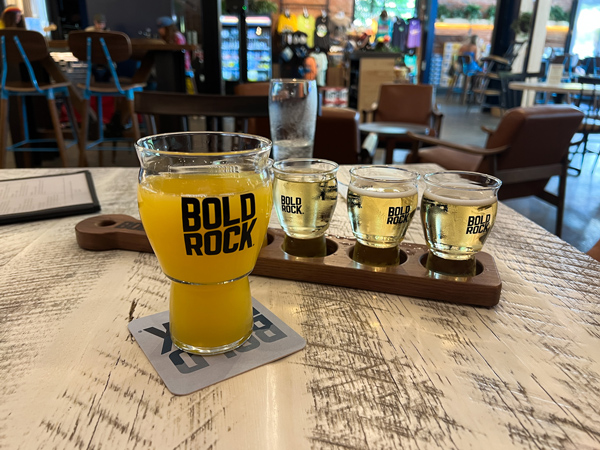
(230, 48)
(259, 48)
(586, 33)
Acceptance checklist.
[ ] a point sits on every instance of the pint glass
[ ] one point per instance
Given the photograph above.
(382, 201)
(458, 210)
(292, 117)
(305, 191)
(205, 201)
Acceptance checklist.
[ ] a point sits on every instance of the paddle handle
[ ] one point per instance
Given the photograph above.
(112, 232)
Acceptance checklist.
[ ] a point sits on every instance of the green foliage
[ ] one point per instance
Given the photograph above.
(522, 24)
(473, 12)
(443, 12)
(469, 12)
(262, 6)
(458, 12)
(558, 14)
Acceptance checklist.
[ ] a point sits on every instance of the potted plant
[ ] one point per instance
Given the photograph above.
(473, 12)
(455, 15)
(522, 25)
(265, 7)
(559, 15)
(443, 12)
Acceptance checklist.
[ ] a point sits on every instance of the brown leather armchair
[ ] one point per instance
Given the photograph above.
(256, 125)
(336, 136)
(594, 252)
(405, 103)
(529, 146)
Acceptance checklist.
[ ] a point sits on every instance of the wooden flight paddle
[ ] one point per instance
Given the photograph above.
(409, 278)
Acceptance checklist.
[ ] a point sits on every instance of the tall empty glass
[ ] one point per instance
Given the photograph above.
(205, 200)
(458, 210)
(293, 117)
(382, 201)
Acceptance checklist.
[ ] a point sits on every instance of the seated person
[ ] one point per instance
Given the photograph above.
(470, 49)
(99, 23)
(169, 33)
(12, 17)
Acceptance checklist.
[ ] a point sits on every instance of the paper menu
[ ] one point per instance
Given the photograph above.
(47, 197)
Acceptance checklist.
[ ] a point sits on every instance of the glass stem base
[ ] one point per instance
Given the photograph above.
(374, 256)
(456, 267)
(207, 351)
(212, 318)
(309, 248)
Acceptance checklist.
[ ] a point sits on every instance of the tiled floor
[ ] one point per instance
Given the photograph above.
(582, 215)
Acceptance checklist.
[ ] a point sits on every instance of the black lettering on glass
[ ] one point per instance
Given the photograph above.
(246, 238)
(227, 246)
(227, 220)
(193, 243)
(212, 242)
(190, 214)
(211, 221)
(248, 204)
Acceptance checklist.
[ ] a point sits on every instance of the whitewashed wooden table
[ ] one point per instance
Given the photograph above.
(379, 371)
(531, 88)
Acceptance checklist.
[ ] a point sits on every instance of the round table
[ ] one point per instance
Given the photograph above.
(390, 131)
(553, 88)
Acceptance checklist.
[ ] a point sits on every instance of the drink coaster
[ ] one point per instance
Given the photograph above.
(184, 373)
(337, 268)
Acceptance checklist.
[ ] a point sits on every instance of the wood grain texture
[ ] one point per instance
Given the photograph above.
(411, 278)
(379, 371)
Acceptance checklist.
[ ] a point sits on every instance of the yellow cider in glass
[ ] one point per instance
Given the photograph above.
(206, 230)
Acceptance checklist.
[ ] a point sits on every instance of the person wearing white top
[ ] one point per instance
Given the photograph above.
(321, 60)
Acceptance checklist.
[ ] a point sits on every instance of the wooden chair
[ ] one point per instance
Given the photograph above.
(212, 106)
(406, 103)
(512, 98)
(461, 72)
(256, 125)
(530, 146)
(486, 84)
(24, 47)
(591, 65)
(105, 49)
(590, 105)
(337, 137)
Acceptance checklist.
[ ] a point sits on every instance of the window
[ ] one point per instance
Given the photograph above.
(586, 35)
(367, 10)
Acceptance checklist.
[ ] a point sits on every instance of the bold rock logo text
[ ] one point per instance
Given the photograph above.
(210, 229)
(398, 215)
(291, 205)
(478, 224)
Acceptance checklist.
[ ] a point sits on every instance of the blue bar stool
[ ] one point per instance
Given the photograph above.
(104, 49)
(23, 47)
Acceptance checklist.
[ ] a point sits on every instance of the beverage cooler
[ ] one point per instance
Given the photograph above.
(259, 61)
(230, 48)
